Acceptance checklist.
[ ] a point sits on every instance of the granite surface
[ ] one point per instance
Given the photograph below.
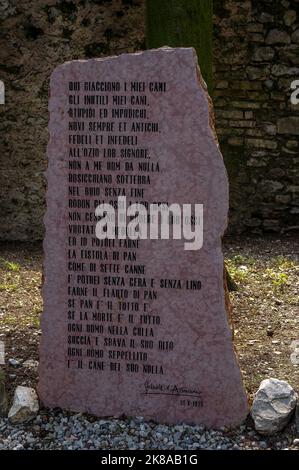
(199, 380)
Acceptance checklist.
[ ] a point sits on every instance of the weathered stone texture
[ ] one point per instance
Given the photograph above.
(256, 57)
(36, 36)
(191, 170)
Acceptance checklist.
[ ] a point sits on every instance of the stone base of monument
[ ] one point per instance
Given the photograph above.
(139, 328)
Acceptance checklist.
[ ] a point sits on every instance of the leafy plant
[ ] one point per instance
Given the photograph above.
(278, 279)
(11, 266)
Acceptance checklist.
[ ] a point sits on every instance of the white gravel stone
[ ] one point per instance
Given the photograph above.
(14, 362)
(30, 364)
(61, 430)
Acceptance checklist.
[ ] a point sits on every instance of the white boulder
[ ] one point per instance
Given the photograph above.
(25, 405)
(273, 406)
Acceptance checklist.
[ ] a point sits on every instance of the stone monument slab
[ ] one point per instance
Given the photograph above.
(136, 326)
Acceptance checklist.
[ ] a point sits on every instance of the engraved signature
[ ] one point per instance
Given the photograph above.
(167, 389)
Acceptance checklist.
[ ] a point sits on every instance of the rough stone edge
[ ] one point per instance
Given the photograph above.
(228, 304)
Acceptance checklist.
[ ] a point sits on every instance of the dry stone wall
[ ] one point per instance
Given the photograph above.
(256, 58)
(36, 36)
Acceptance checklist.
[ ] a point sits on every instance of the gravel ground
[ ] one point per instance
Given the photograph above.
(64, 431)
(265, 313)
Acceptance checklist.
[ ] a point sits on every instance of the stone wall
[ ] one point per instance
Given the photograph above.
(35, 37)
(256, 57)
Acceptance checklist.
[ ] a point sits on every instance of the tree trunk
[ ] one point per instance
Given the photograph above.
(182, 23)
